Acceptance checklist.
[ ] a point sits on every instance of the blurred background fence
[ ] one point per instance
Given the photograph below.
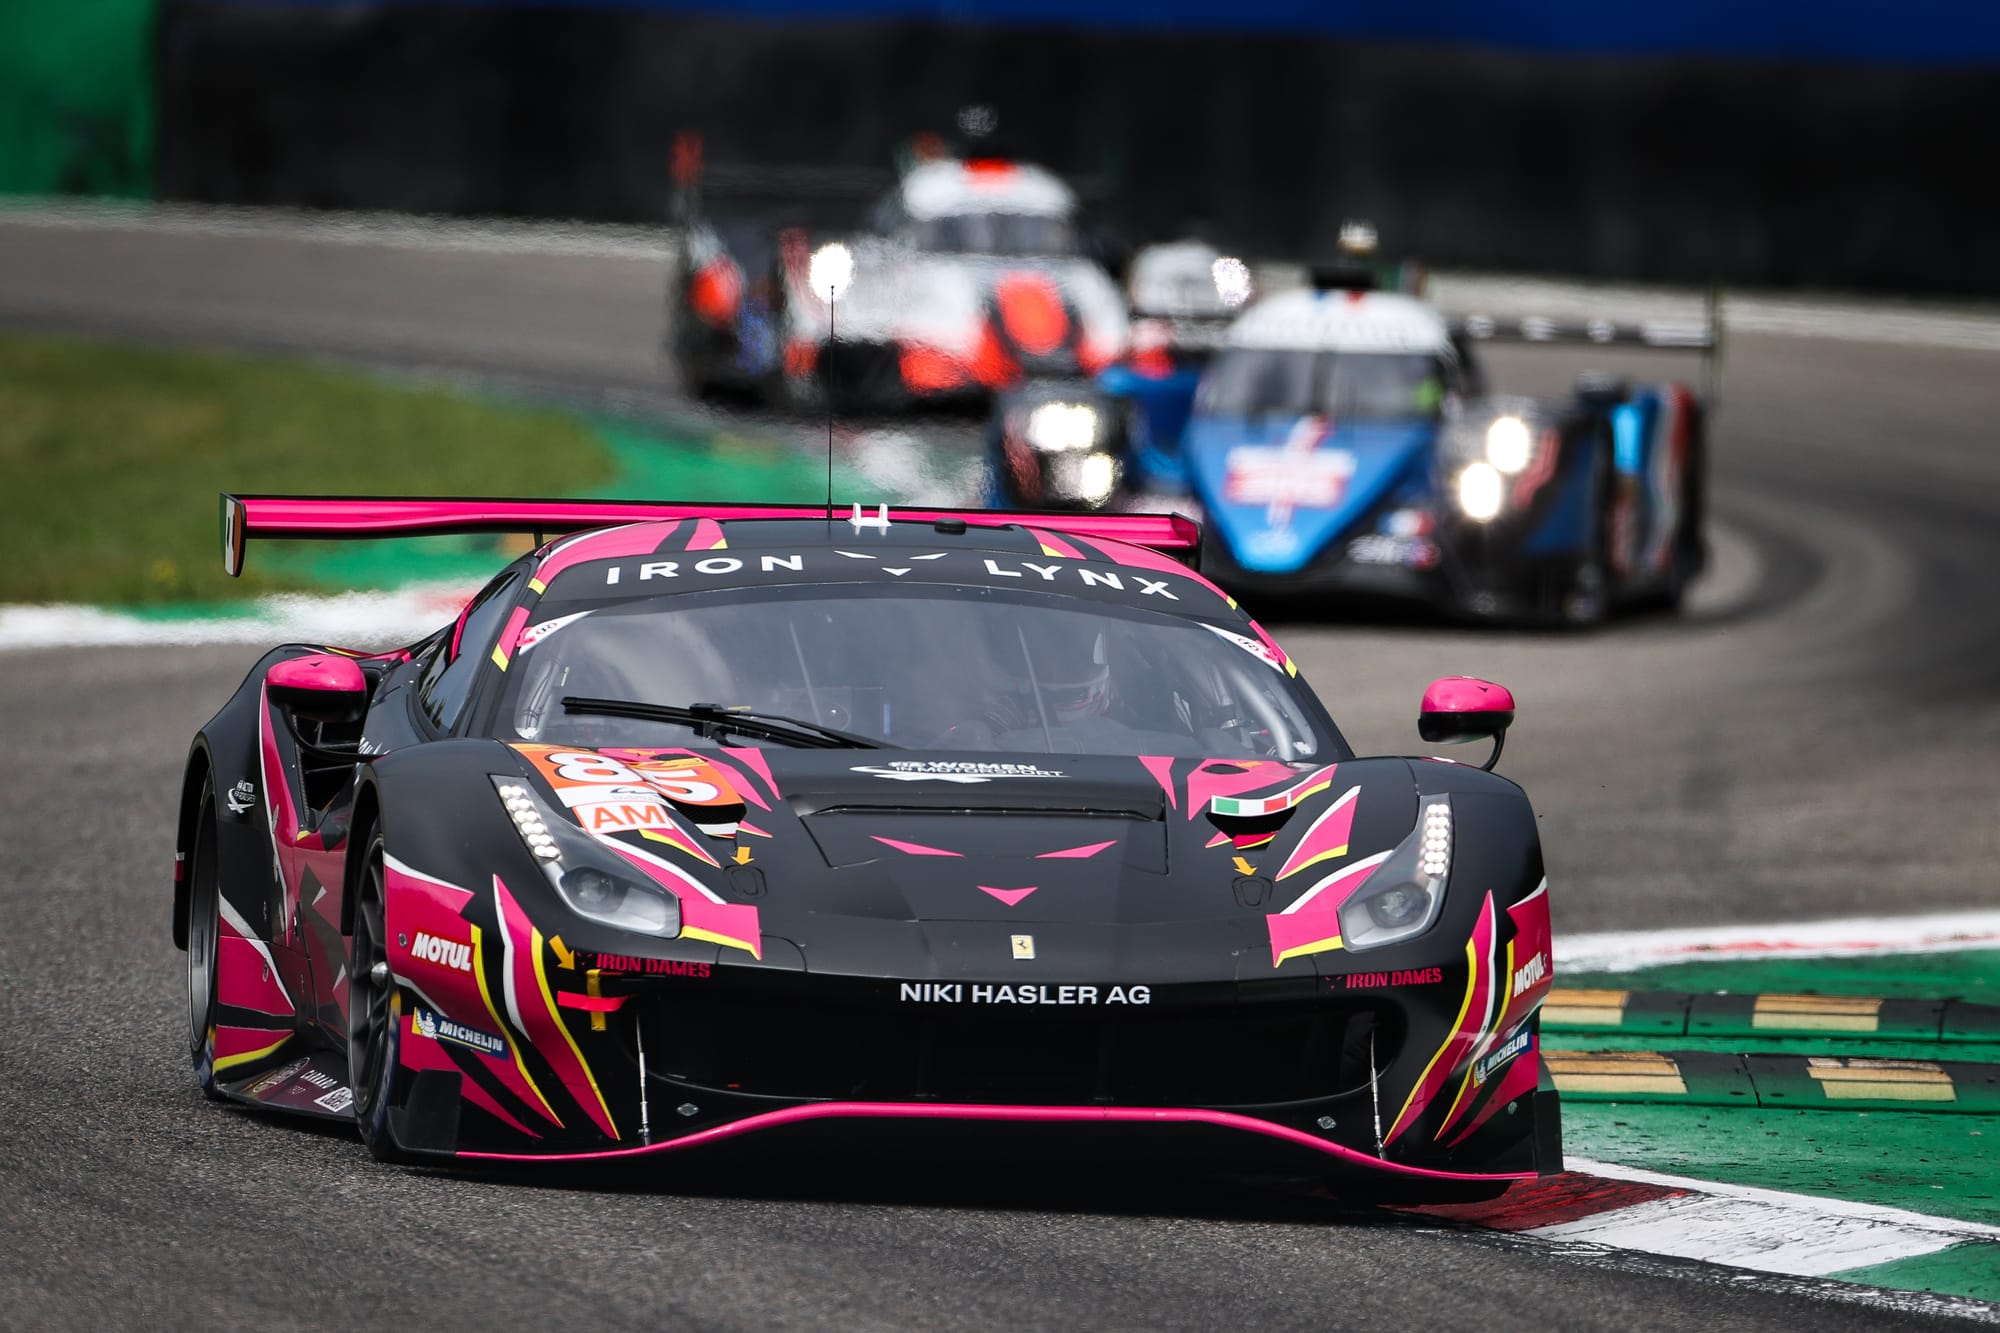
(76, 97)
(1777, 143)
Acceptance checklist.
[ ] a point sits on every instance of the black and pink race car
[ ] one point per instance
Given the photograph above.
(704, 825)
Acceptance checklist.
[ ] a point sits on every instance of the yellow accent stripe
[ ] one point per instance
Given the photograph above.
(1326, 855)
(1327, 945)
(1499, 1025)
(499, 659)
(549, 999)
(594, 990)
(1291, 667)
(1464, 1007)
(754, 950)
(223, 1062)
(537, 586)
(513, 1042)
(679, 844)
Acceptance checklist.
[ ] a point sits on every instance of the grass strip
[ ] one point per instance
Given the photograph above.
(1936, 1164)
(1962, 1270)
(114, 455)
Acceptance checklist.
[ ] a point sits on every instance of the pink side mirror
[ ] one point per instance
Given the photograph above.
(1457, 709)
(324, 687)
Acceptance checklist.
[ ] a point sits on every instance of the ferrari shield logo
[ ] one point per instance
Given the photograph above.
(1024, 946)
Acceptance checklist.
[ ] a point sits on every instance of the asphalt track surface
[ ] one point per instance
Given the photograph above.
(1820, 738)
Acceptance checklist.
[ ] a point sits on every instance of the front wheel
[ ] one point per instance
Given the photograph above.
(374, 1011)
(204, 944)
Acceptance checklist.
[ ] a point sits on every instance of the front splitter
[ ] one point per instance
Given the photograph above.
(1196, 1137)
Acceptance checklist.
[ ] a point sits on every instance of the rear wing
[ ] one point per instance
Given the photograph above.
(355, 517)
(821, 197)
(1704, 336)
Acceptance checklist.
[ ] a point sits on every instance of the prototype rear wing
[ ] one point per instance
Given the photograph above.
(1704, 336)
(356, 517)
(1604, 332)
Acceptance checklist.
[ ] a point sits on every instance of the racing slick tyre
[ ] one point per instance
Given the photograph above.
(1690, 537)
(204, 943)
(1586, 601)
(372, 1012)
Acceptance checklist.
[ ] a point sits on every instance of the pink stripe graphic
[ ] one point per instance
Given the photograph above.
(512, 634)
(914, 848)
(1076, 853)
(1047, 1115)
(1011, 897)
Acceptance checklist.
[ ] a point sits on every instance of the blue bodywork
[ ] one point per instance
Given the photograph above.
(1362, 465)
(1162, 406)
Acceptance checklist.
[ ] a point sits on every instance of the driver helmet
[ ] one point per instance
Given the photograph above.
(1069, 667)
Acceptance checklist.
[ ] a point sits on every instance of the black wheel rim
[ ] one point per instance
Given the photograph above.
(203, 935)
(368, 1014)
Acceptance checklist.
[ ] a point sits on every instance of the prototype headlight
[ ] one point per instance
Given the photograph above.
(1402, 898)
(1509, 445)
(830, 270)
(1479, 491)
(590, 878)
(1232, 280)
(1055, 428)
(1087, 477)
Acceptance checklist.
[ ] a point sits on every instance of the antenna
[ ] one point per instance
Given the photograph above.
(826, 387)
(831, 267)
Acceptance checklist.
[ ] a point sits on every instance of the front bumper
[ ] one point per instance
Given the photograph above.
(1302, 1077)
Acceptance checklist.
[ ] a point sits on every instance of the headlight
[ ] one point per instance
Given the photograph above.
(830, 270)
(1509, 446)
(592, 879)
(1092, 477)
(1401, 899)
(1479, 491)
(1054, 428)
(1232, 280)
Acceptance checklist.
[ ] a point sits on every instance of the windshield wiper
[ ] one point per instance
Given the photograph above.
(713, 722)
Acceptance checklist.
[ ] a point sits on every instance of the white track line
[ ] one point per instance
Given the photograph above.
(1770, 1239)
(1843, 1209)
(1835, 1290)
(1620, 951)
(396, 231)
(355, 620)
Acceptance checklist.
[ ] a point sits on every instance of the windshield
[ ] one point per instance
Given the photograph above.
(1347, 386)
(995, 234)
(948, 668)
